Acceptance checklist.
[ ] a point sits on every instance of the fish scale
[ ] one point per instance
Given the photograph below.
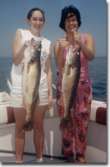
(70, 79)
(31, 81)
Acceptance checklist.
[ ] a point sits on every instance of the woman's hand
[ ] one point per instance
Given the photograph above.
(77, 38)
(62, 43)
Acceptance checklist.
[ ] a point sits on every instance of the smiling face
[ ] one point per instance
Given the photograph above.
(71, 23)
(36, 20)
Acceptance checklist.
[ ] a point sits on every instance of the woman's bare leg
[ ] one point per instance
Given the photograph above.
(38, 127)
(19, 133)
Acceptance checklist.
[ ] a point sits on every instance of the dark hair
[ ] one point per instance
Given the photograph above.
(64, 13)
(29, 15)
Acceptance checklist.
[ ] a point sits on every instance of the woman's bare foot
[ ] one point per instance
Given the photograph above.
(19, 161)
(80, 159)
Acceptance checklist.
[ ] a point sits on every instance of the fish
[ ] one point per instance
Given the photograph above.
(70, 79)
(31, 81)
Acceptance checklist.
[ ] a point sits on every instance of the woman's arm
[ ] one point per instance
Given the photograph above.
(18, 48)
(88, 47)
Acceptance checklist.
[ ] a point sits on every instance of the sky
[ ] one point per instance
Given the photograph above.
(13, 16)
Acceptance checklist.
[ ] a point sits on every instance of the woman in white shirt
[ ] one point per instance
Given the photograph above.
(36, 20)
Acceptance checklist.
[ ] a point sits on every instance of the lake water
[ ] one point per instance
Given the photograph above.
(97, 68)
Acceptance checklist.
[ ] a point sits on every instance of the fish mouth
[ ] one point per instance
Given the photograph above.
(36, 43)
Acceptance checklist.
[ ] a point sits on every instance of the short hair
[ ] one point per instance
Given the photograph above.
(29, 15)
(64, 13)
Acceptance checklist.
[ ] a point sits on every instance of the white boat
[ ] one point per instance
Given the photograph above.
(97, 137)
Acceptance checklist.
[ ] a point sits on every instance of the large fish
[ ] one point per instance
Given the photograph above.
(70, 79)
(31, 81)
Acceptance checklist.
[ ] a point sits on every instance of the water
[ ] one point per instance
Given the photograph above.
(98, 74)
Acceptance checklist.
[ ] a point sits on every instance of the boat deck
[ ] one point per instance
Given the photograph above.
(9, 158)
(96, 152)
(93, 156)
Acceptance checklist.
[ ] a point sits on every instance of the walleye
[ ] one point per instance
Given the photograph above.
(31, 81)
(70, 78)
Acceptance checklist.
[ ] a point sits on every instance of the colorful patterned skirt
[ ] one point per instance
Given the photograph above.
(74, 127)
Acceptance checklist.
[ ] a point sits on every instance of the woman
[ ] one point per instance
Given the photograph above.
(74, 137)
(23, 39)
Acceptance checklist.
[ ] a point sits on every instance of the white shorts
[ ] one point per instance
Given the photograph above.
(17, 94)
